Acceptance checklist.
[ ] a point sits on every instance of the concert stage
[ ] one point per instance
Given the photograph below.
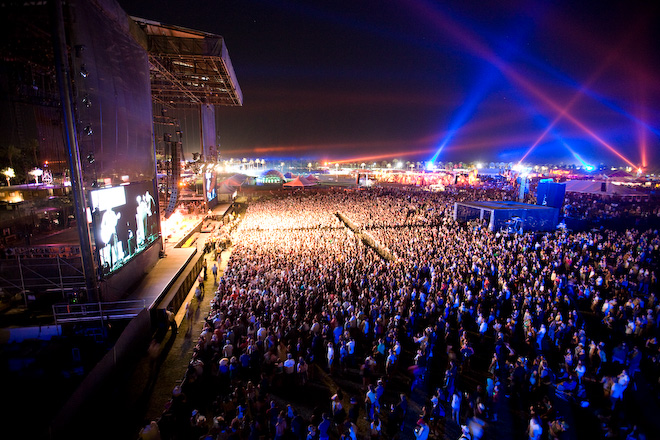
(503, 215)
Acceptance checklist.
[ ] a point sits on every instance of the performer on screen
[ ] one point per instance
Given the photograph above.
(143, 210)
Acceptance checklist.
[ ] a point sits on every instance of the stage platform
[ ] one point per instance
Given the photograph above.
(163, 275)
(504, 214)
(178, 263)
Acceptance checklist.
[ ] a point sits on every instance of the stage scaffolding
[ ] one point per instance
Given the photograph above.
(188, 67)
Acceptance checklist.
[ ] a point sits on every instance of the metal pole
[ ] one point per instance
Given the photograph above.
(54, 315)
(201, 134)
(59, 270)
(20, 270)
(102, 322)
(77, 187)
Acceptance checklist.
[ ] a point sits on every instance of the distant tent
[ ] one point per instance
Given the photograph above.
(225, 188)
(312, 178)
(273, 173)
(290, 175)
(272, 176)
(618, 174)
(489, 172)
(225, 192)
(299, 182)
(601, 187)
(237, 180)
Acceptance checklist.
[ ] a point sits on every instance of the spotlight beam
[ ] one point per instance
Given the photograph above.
(611, 57)
(549, 129)
(479, 91)
(474, 45)
(587, 91)
(468, 108)
(530, 88)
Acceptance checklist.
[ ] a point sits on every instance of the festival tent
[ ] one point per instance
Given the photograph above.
(290, 175)
(298, 182)
(272, 176)
(603, 188)
(312, 178)
(489, 172)
(618, 174)
(225, 191)
(237, 180)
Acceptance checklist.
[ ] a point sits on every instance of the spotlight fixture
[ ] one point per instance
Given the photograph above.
(90, 158)
(88, 130)
(87, 101)
(83, 71)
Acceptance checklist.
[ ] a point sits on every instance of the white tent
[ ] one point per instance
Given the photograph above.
(601, 187)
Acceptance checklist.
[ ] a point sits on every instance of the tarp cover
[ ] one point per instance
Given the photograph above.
(225, 188)
(595, 187)
(236, 180)
(299, 182)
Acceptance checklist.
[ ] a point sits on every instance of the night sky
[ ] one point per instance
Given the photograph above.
(461, 80)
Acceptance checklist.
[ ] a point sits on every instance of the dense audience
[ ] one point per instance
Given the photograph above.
(595, 207)
(483, 325)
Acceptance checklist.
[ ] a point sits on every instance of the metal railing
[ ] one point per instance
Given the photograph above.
(68, 313)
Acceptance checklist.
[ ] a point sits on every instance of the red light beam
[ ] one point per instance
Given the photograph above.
(473, 44)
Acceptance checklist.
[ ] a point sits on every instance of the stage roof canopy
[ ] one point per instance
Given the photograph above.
(188, 67)
(499, 205)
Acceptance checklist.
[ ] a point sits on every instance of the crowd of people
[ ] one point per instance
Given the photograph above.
(312, 335)
(595, 207)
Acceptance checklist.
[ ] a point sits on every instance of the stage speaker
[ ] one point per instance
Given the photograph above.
(603, 187)
(171, 206)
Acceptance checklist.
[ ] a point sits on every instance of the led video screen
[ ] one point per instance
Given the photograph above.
(209, 184)
(125, 221)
